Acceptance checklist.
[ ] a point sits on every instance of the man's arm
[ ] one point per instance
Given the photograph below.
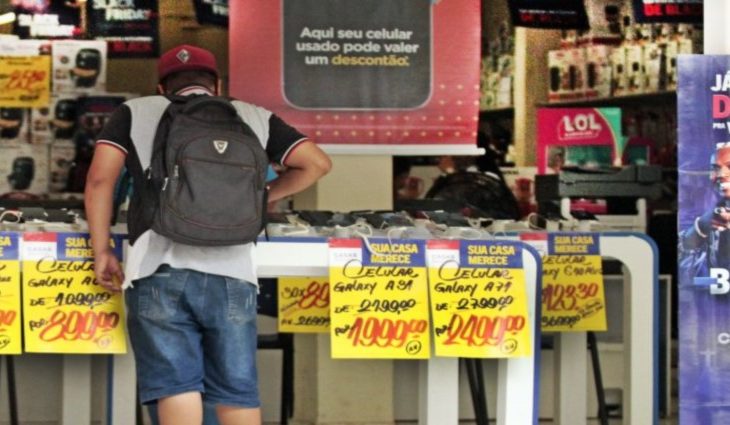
(306, 164)
(98, 199)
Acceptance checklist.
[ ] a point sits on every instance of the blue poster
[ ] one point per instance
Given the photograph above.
(704, 239)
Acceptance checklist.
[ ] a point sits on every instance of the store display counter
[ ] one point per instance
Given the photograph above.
(438, 396)
(517, 395)
(438, 376)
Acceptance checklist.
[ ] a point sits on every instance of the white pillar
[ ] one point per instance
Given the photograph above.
(716, 28)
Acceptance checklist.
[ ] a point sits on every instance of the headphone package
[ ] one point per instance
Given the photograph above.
(79, 66)
(567, 74)
(636, 82)
(598, 71)
(619, 75)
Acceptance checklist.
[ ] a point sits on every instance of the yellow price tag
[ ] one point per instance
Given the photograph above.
(10, 324)
(25, 81)
(573, 297)
(478, 299)
(304, 304)
(65, 310)
(379, 299)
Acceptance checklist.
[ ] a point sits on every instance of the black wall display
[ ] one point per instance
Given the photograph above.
(130, 27)
(675, 11)
(346, 47)
(214, 12)
(554, 14)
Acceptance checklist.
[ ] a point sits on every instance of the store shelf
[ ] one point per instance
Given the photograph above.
(663, 97)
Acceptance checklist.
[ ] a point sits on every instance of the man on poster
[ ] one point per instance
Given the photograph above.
(707, 242)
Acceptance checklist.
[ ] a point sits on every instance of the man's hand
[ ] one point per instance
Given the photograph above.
(108, 272)
(720, 218)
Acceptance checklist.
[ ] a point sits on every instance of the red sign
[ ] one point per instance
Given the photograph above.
(362, 72)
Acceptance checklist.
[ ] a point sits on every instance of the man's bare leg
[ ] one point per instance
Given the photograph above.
(181, 409)
(232, 415)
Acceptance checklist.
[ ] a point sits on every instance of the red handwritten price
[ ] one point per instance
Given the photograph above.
(25, 79)
(481, 330)
(7, 317)
(316, 295)
(76, 325)
(370, 331)
(566, 297)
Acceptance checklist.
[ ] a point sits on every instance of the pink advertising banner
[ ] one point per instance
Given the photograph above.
(578, 137)
(370, 73)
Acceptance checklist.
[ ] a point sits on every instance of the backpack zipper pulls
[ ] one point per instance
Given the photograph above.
(164, 184)
(176, 172)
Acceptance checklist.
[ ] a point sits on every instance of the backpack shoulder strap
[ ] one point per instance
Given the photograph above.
(157, 160)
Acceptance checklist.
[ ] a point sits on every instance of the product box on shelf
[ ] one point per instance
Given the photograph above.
(619, 74)
(23, 168)
(488, 98)
(11, 47)
(79, 66)
(63, 152)
(604, 17)
(63, 115)
(654, 71)
(635, 69)
(40, 126)
(487, 84)
(598, 71)
(504, 85)
(14, 125)
(671, 50)
(567, 79)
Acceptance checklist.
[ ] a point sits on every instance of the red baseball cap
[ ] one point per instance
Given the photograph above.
(186, 58)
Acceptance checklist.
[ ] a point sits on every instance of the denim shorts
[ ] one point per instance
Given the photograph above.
(193, 331)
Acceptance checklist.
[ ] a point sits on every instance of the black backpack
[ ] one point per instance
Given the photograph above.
(207, 175)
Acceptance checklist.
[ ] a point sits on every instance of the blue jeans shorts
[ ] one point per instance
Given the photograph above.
(194, 332)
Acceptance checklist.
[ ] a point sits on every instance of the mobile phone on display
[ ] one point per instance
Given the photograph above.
(357, 54)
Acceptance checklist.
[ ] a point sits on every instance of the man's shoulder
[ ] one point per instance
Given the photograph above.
(249, 108)
(147, 106)
(145, 100)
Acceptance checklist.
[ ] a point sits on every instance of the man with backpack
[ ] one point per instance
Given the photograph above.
(198, 165)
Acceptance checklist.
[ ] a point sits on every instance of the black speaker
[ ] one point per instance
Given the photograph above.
(11, 120)
(88, 66)
(22, 174)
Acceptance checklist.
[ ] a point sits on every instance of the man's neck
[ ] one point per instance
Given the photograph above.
(194, 89)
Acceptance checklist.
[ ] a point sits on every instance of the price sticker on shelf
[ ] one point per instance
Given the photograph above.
(10, 325)
(573, 297)
(478, 299)
(378, 299)
(25, 81)
(64, 309)
(304, 304)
